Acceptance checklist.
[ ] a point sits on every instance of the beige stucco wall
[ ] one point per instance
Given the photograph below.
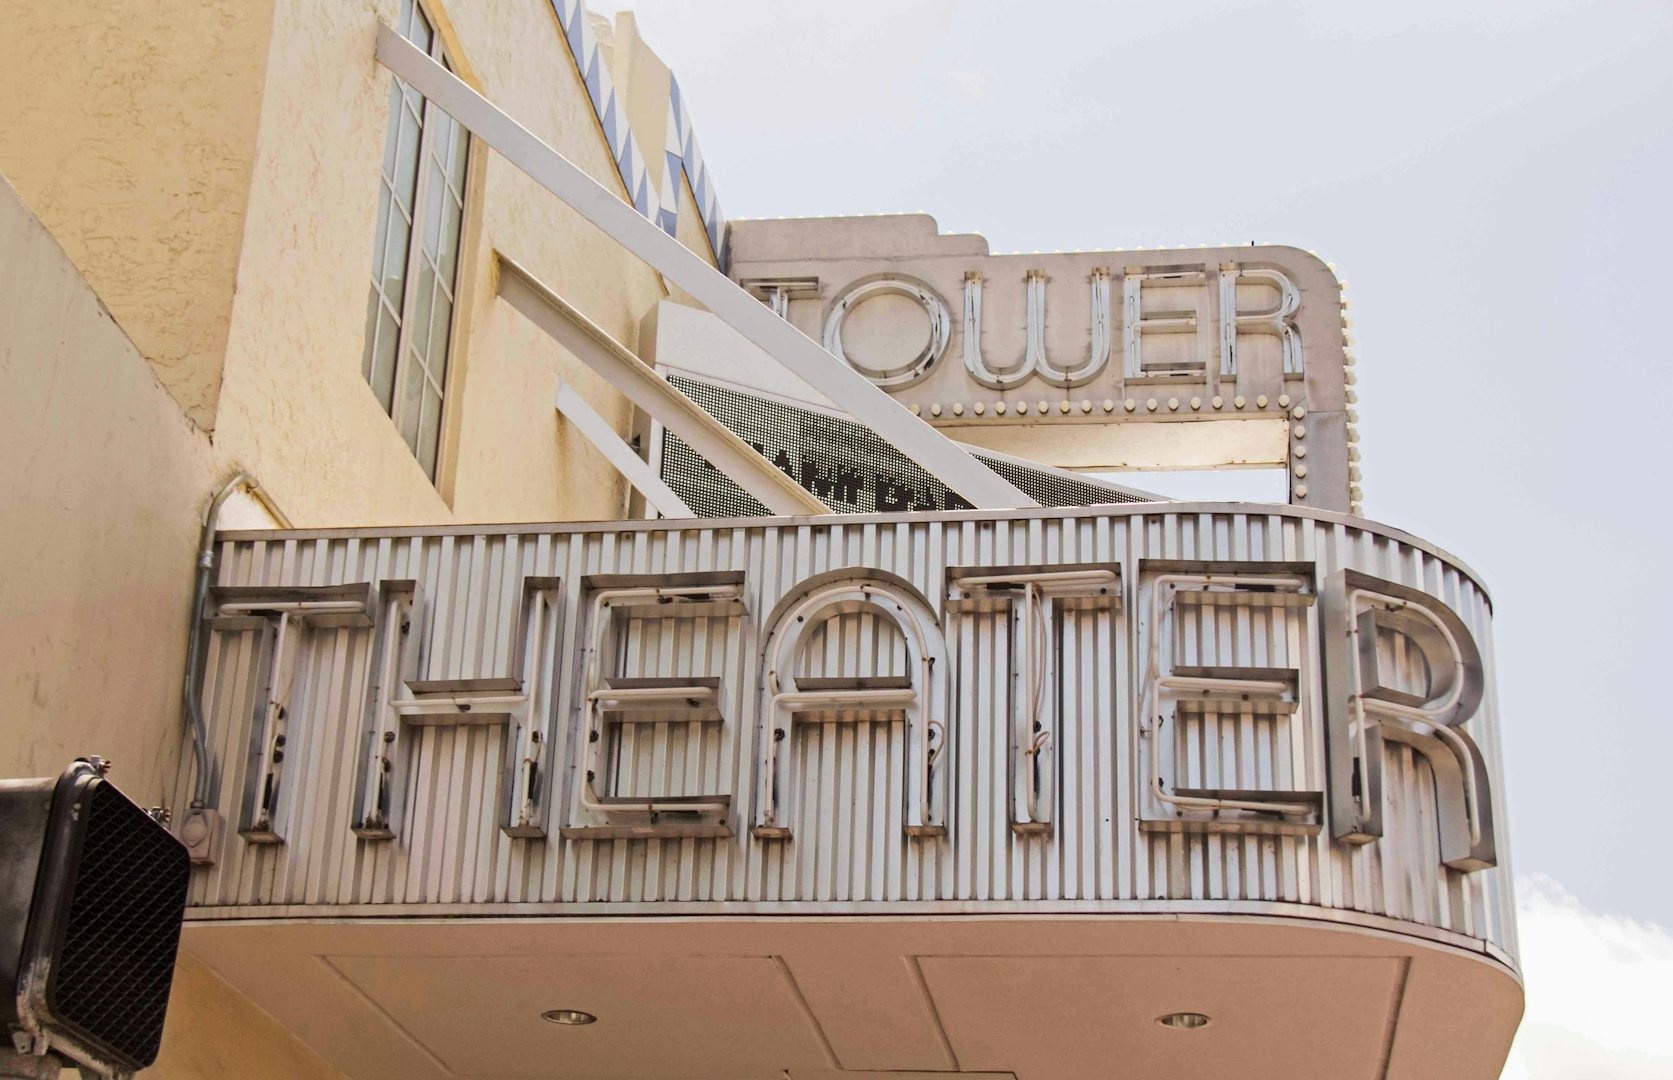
(99, 499)
(172, 149)
(690, 230)
(130, 130)
(514, 368)
(296, 409)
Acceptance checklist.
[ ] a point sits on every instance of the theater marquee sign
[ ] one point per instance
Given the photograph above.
(1084, 359)
(686, 703)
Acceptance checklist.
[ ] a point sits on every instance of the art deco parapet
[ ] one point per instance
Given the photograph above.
(1199, 708)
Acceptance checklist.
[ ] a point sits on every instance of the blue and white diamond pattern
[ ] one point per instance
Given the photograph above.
(680, 148)
(683, 153)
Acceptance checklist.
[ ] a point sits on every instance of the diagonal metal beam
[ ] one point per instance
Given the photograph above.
(849, 390)
(643, 386)
(598, 431)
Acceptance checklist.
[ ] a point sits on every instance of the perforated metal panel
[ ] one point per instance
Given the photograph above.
(116, 959)
(845, 464)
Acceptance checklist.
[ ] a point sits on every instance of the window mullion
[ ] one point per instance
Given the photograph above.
(415, 245)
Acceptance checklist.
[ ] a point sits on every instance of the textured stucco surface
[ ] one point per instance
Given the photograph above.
(505, 473)
(690, 230)
(130, 131)
(103, 480)
(299, 319)
(99, 497)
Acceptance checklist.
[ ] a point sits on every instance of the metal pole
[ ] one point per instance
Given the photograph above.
(799, 354)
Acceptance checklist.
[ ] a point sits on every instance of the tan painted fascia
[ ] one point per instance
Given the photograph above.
(692, 232)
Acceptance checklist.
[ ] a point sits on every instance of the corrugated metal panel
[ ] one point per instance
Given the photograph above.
(849, 844)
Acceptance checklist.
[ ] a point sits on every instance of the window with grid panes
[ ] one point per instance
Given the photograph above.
(421, 199)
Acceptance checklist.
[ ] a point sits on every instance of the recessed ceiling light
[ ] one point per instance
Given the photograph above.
(1183, 1020)
(569, 1017)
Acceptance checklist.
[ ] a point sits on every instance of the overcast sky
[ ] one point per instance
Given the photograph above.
(1494, 181)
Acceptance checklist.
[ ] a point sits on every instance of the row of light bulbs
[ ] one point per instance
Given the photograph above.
(1043, 407)
(1351, 396)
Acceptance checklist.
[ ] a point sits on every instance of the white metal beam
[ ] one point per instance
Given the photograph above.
(849, 390)
(598, 431)
(650, 391)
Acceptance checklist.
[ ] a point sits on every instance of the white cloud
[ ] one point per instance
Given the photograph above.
(1598, 989)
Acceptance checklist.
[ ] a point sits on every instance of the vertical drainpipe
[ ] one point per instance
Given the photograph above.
(192, 702)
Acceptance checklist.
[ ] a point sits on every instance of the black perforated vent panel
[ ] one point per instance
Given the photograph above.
(847, 465)
(116, 960)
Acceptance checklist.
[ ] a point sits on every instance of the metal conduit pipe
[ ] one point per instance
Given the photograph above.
(192, 702)
(1036, 738)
